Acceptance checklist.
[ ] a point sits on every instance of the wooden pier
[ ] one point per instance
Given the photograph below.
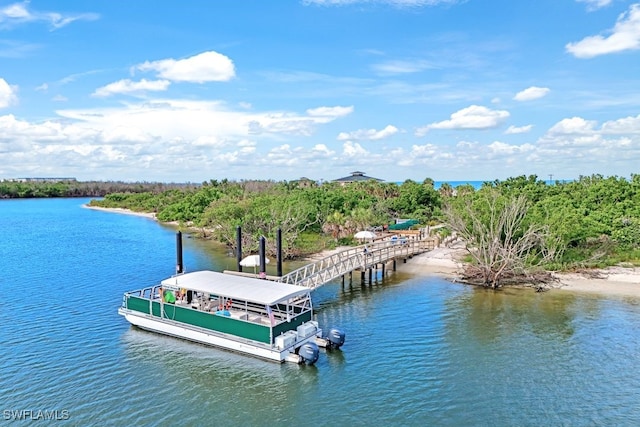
(377, 254)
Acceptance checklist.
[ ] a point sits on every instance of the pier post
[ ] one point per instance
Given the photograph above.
(362, 276)
(370, 271)
(394, 264)
(239, 247)
(263, 263)
(279, 252)
(179, 263)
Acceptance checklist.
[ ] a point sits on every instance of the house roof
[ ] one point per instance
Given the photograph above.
(356, 176)
(236, 287)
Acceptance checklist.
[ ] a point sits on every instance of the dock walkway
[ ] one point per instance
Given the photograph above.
(318, 273)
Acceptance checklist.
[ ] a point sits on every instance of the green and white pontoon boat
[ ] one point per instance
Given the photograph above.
(247, 315)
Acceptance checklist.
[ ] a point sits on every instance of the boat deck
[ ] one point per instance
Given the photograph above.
(248, 314)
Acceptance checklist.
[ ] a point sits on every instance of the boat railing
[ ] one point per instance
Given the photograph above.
(239, 310)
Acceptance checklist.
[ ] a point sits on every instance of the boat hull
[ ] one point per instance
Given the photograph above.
(217, 339)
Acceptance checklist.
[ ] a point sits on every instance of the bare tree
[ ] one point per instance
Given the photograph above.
(504, 249)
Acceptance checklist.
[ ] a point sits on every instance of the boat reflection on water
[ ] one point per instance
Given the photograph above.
(195, 360)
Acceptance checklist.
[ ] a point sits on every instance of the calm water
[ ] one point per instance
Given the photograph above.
(419, 350)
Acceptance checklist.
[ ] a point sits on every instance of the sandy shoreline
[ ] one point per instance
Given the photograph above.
(122, 211)
(445, 262)
(612, 281)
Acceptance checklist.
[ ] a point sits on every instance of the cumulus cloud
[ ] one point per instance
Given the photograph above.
(8, 94)
(498, 148)
(624, 36)
(472, 117)
(531, 93)
(595, 4)
(513, 130)
(368, 134)
(573, 125)
(353, 149)
(154, 138)
(18, 13)
(205, 67)
(127, 86)
(627, 125)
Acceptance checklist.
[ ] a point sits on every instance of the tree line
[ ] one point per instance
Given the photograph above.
(312, 217)
(11, 189)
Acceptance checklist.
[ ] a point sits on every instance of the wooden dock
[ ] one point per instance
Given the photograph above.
(378, 254)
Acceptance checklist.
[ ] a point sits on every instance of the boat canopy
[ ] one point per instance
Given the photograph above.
(236, 287)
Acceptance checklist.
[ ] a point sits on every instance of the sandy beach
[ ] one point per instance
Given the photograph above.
(446, 262)
(612, 281)
(122, 211)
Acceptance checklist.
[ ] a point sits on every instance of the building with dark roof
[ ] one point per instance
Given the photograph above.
(356, 177)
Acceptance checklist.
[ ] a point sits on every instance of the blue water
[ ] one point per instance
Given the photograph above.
(454, 184)
(420, 350)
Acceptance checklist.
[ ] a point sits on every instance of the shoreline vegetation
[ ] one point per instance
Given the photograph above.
(447, 262)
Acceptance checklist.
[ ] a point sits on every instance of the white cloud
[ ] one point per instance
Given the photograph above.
(353, 149)
(127, 86)
(574, 125)
(624, 36)
(205, 67)
(370, 134)
(18, 13)
(531, 93)
(8, 94)
(330, 112)
(472, 117)
(513, 130)
(595, 4)
(627, 125)
(498, 148)
(321, 149)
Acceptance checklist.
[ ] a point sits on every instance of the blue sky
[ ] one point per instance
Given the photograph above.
(187, 90)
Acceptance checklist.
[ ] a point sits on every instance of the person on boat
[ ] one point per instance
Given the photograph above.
(169, 297)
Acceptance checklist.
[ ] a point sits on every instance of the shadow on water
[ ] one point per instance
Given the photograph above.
(490, 315)
(222, 383)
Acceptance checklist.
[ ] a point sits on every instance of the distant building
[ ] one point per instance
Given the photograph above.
(37, 179)
(356, 177)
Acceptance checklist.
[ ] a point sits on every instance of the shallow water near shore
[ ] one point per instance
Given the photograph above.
(420, 350)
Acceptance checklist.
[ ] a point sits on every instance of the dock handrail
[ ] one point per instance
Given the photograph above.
(318, 273)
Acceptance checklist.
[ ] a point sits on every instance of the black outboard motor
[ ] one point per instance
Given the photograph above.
(335, 338)
(309, 352)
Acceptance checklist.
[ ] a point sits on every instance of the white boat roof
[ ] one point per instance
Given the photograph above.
(236, 287)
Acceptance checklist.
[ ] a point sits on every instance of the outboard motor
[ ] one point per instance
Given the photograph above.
(335, 337)
(309, 352)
